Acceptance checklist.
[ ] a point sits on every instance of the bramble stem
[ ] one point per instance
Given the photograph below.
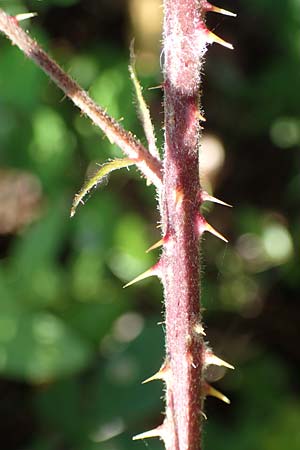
(180, 197)
(184, 47)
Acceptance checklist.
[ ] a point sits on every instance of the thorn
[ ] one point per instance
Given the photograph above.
(159, 243)
(215, 9)
(162, 374)
(153, 271)
(213, 231)
(24, 16)
(223, 11)
(159, 86)
(214, 38)
(211, 359)
(198, 329)
(209, 390)
(156, 432)
(156, 245)
(156, 376)
(200, 116)
(205, 226)
(205, 197)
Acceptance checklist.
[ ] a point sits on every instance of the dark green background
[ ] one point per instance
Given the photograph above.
(75, 346)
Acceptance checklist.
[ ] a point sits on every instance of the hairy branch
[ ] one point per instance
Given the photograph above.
(129, 144)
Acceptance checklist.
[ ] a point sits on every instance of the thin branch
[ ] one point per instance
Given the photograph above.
(129, 144)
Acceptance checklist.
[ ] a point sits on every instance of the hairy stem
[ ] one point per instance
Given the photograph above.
(148, 164)
(184, 46)
(180, 194)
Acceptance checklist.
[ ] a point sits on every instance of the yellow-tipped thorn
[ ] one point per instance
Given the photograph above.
(209, 198)
(159, 86)
(156, 432)
(149, 273)
(211, 359)
(215, 393)
(222, 11)
(156, 245)
(156, 376)
(162, 374)
(214, 38)
(213, 231)
(198, 329)
(25, 16)
(200, 116)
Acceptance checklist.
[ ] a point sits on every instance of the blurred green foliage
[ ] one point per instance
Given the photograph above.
(74, 346)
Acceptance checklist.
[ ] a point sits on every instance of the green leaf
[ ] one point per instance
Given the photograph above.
(99, 177)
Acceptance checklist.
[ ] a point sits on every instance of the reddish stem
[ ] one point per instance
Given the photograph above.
(184, 46)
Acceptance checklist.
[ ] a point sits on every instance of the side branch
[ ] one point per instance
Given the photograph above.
(129, 144)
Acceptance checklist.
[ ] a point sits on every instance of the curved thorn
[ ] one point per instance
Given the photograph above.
(215, 393)
(162, 374)
(159, 86)
(214, 38)
(205, 197)
(225, 12)
(153, 271)
(162, 241)
(198, 329)
(211, 359)
(200, 116)
(156, 432)
(209, 7)
(213, 231)
(156, 245)
(156, 376)
(24, 16)
(204, 415)
(202, 226)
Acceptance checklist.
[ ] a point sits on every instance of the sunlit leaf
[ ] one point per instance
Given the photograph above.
(98, 177)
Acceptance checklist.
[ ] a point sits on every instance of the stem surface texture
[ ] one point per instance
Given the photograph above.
(184, 47)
